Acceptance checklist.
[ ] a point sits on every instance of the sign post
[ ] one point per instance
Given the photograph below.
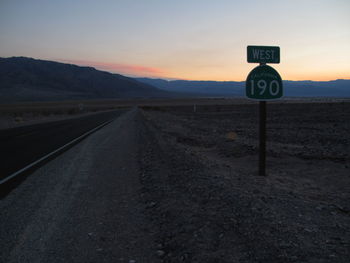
(263, 83)
(262, 138)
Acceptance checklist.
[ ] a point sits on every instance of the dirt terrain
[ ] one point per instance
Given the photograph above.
(200, 182)
(180, 184)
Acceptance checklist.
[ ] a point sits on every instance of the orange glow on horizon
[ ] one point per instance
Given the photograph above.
(186, 74)
(120, 68)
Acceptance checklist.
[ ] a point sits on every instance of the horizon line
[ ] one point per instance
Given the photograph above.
(175, 79)
(101, 67)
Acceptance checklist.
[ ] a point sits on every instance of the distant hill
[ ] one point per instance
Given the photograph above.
(336, 88)
(28, 79)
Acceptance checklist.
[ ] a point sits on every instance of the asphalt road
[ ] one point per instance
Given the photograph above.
(85, 205)
(23, 145)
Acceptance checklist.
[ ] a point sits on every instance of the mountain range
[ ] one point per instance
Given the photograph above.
(335, 88)
(28, 79)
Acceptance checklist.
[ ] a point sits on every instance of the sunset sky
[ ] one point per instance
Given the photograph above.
(182, 39)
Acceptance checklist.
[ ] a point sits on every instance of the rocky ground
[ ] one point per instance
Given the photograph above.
(180, 184)
(201, 186)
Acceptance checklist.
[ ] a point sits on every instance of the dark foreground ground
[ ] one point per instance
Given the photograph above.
(200, 179)
(167, 184)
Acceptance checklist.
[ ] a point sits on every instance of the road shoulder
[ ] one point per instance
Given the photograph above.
(83, 206)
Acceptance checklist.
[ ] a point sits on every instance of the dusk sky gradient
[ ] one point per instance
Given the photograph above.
(182, 39)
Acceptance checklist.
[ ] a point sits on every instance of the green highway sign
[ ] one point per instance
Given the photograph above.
(264, 83)
(263, 54)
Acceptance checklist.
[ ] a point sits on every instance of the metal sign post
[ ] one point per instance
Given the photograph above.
(263, 83)
(262, 138)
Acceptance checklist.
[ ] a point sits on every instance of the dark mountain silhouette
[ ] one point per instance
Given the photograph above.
(336, 88)
(28, 79)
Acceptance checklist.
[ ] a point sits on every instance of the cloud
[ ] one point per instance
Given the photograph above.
(134, 70)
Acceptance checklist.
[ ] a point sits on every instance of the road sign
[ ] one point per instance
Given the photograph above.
(264, 83)
(263, 54)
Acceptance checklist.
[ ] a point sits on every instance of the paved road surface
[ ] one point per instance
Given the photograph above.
(23, 145)
(83, 206)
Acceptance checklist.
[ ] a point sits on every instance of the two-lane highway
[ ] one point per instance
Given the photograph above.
(21, 146)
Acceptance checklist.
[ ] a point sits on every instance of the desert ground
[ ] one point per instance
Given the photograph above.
(178, 182)
(27, 113)
(201, 181)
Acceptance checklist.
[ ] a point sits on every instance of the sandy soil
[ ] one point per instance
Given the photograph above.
(200, 183)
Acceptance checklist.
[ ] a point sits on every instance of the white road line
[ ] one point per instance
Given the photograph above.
(52, 153)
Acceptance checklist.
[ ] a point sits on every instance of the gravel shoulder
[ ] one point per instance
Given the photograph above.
(83, 206)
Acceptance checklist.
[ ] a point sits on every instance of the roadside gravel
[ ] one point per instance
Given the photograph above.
(83, 206)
